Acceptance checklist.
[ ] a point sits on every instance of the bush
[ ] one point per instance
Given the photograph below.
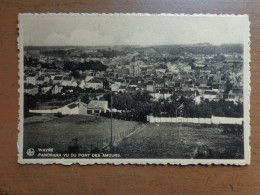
(59, 115)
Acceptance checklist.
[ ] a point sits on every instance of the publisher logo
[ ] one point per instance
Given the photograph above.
(30, 152)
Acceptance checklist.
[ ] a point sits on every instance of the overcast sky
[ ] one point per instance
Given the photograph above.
(102, 30)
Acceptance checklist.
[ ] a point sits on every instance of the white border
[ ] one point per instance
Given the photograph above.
(246, 92)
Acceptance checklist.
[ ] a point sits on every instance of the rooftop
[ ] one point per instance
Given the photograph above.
(97, 104)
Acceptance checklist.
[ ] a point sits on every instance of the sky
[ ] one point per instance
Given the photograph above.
(111, 30)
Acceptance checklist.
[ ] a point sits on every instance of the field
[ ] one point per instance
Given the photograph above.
(166, 140)
(87, 134)
(72, 133)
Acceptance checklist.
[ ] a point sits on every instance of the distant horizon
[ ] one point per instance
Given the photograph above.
(118, 30)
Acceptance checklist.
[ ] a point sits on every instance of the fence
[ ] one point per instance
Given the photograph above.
(104, 142)
(212, 120)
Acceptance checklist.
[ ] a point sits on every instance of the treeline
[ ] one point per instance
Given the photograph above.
(138, 105)
(107, 53)
(33, 62)
(201, 49)
(91, 65)
(30, 62)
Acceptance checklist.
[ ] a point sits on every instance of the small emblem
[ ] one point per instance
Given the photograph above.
(30, 152)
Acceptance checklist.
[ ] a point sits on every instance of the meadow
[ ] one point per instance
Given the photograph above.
(91, 134)
(74, 133)
(177, 140)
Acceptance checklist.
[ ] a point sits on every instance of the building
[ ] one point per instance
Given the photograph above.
(94, 83)
(141, 86)
(115, 87)
(45, 88)
(150, 86)
(159, 84)
(161, 94)
(97, 106)
(210, 95)
(67, 81)
(56, 89)
(134, 68)
(31, 79)
(42, 79)
(57, 80)
(52, 72)
(31, 89)
(73, 108)
(80, 83)
(70, 109)
(122, 89)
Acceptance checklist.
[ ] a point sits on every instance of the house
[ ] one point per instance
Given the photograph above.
(115, 87)
(97, 106)
(67, 81)
(162, 94)
(235, 95)
(56, 89)
(186, 93)
(45, 88)
(172, 67)
(88, 78)
(118, 81)
(95, 84)
(133, 83)
(220, 96)
(52, 72)
(177, 85)
(57, 79)
(131, 89)
(198, 99)
(141, 86)
(170, 84)
(122, 89)
(122, 75)
(42, 79)
(210, 95)
(159, 84)
(70, 109)
(222, 87)
(134, 68)
(215, 87)
(202, 82)
(66, 72)
(150, 86)
(80, 83)
(160, 70)
(31, 79)
(31, 89)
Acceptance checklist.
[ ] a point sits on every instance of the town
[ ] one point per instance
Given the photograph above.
(139, 81)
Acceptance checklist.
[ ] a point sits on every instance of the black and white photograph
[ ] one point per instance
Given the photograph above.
(134, 89)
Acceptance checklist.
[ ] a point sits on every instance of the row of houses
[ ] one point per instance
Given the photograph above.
(83, 82)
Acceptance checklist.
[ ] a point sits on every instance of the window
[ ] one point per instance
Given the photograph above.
(96, 111)
(89, 111)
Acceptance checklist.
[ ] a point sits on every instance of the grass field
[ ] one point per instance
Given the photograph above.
(47, 131)
(87, 134)
(166, 140)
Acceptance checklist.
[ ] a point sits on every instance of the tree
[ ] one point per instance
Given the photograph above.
(29, 102)
(75, 74)
(105, 84)
(85, 99)
(228, 86)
